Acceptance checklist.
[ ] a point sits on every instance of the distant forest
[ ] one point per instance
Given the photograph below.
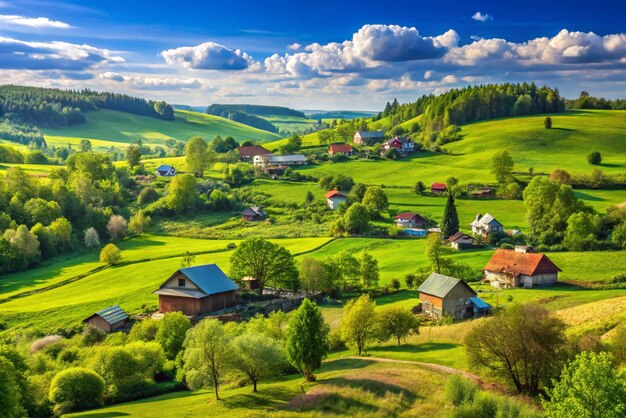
(341, 114)
(257, 110)
(23, 109)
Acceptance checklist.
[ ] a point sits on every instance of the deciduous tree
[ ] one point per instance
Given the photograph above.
(358, 324)
(396, 322)
(116, 227)
(171, 331)
(368, 270)
(501, 165)
(199, 157)
(256, 355)
(110, 254)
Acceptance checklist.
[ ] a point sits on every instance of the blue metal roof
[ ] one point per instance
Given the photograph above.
(209, 278)
(479, 303)
(112, 315)
(164, 167)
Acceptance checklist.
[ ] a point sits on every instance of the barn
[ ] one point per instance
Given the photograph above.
(521, 267)
(448, 296)
(197, 290)
(107, 320)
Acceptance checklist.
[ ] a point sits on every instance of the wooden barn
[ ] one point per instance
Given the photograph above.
(197, 290)
(253, 214)
(448, 296)
(521, 267)
(107, 320)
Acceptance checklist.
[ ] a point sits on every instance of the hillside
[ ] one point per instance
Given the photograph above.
(338, 114)
(106, 128)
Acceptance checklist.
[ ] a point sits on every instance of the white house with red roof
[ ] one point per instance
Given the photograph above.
(410, 220)
(335, 198)
(339, 148)
(520, 268)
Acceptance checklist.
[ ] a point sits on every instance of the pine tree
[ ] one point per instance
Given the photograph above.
(450, 222)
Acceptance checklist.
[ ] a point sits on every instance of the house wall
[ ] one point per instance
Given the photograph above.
(455, 302)
(173, 282)
(538, 280)
(502, 279)
(431, 304)
(406, 223)
(334, 202)
(218, 301)
(100, 323)
(187, 306)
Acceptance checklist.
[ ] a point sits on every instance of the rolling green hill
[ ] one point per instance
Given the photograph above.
(106, 128)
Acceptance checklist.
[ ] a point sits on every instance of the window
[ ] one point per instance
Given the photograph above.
(181, 282)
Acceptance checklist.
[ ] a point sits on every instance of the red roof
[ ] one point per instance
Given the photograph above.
(459, 235)
(252, 150)
(334, 193)
(407, 216)
(516, 263)
(334, 148)
(438, 186)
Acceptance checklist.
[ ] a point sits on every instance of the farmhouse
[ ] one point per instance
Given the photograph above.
(368, 138)
(410, 220)
(108, 319)
(448, 296)
(335, 198)
(340, 149)
(461, 241)
(486, 225)
(253, 214)
(279, 160)
(165, 170)
(520, 268)
(197, 290)
(438, 188)
(402, 144)
(248, 152)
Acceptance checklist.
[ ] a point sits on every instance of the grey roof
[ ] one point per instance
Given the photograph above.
(487, 219)
(182, 293)
(209, 278)
(371, 134)
(254, 210)
(112, 315)
(440, 285)
(278, 159)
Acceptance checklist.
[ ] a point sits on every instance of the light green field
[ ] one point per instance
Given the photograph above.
(35, 170)
(289, 123)
(108, 128)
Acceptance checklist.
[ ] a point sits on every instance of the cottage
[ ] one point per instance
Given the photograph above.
(368, 138)
(482, 193)
(340, 149)
(404, 145)
(279, 160)
(520, 268)
(197, 290)
(438, 188)
(448, 296)
(253, 214)
(410, 220)
(248, 152)
(486, 225)
(461, 241)
(165, 170)
(107, 320)
(335, 198)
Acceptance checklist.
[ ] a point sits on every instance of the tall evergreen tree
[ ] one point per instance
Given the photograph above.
(450, 222)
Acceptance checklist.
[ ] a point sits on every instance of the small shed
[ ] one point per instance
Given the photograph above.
(165, 170)
(107, 320)
(410, 220)
(446, 296)
(438, 188)
(253, 214)
(250, 283)
(461, 241)
(339, 148)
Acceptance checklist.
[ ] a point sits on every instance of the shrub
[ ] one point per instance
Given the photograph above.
(594, 158)
(335, 341)
(76, 388)
(395, 283)
(144, 330)
(44, 342)
(147, 195)
(110, 254)
(484, 406)
(459, 390)
(93, 335)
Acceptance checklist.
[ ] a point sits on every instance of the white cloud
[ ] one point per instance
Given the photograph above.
(482, 17)
(428, 75)
(294, 46)
(32, 22)
(208, 56)
(152, 83)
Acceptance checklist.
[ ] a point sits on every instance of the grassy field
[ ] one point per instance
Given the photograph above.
(289, 123)
(106, 128)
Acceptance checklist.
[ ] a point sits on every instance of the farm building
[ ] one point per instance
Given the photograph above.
(461, 241)
(486, 225)
(448, 296)
(279, 160)
(248, 152)
(108, 319)
(482, 193)
(520, 268)
(368, 138)
(197, 290)
(410, 220)
(335, 198)
(438, 188)
(165, 170)
(340, 149)
(402, 144)
(253, 213)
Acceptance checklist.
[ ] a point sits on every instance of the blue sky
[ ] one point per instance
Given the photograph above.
(320, 55)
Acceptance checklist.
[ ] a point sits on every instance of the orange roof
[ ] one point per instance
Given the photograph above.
(252, 150)
(334, 193)
(516, 263)
(345, 148)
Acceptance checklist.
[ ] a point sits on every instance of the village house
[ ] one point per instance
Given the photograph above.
(438, 188)
(107, 320)
(404, 145)
(335, 198)
(486, 225)
(248, 152)
(197, 290)
(521, 267)
(165, 170)
(265, 161)
(461, 241)
(253, 214)
(340, 149)
(410, 220)
(368, 138)
(481, 193)
(442, 295)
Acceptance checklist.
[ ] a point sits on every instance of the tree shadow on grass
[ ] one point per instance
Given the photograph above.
(266, 397)
(112, 414)
(418, 348)
(346, 364)
(564, 129)
(587, 196)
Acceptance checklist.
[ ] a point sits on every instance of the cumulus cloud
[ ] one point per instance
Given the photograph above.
(482, 17)
(152, 83)
(17, 54)
(33, 22)
(294, 46)
(208, 56)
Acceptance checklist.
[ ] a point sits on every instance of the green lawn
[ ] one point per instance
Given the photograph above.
(111, 128)
(289, 123)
